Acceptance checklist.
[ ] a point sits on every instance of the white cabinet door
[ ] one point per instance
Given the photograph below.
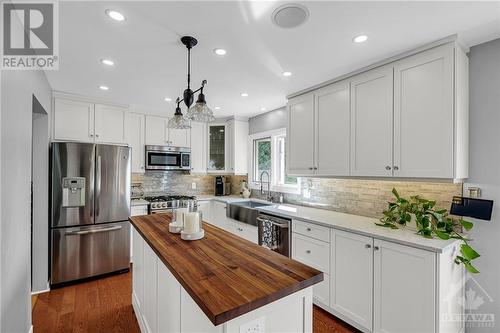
(423, 114)
(352, 276)
(150, 308)
(243, 230)
(178, 137)
(156, 130)
(219, 217)
(169, 297)
(138, 268)
(204, 208)
(300, 135)
(109, 124)
(198, 147)
(404, 289)
(332, 130)
(73, 120)
(312, 252)
(239, 147)
(135, 138)
(230, 147)
(371, 123)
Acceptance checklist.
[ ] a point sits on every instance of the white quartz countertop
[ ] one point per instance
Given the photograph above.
(138, 202)
(358, 224)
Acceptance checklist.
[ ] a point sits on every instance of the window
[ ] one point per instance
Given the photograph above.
(269, 154)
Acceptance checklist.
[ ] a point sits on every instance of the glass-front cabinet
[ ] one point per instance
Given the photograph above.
(216, 148)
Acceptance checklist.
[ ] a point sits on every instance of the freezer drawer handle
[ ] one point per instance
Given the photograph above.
(93, 231)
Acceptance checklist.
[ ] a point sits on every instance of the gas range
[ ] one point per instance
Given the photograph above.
(164, 203)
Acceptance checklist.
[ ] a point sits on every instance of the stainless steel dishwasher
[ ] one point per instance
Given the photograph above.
(275, 233)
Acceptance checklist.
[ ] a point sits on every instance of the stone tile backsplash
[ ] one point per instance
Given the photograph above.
(354, 196)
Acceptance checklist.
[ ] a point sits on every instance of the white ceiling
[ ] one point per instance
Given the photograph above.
(151, 62)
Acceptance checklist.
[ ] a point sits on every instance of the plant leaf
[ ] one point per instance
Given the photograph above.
(466, 224)
(395, 192)
(442, 235)
(468, 252)
(470, 268)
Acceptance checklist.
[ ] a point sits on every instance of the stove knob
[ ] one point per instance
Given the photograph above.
(153, 205)
(164, 205)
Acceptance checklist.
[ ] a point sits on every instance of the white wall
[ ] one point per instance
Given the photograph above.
(268, 121)
(17, 89)
(485, 171)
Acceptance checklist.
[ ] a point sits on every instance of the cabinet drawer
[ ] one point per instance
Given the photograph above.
(311, 230)
(321, 291)
(138, 210)
(246, 231)
(312, 252)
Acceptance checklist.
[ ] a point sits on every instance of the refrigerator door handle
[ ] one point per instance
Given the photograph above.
(97, 186)
(93, 231)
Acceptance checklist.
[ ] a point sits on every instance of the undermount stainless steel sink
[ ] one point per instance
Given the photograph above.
(244, 211)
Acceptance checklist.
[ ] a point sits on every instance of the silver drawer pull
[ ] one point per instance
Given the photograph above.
(376, 248)
(308, 229)
(308, 251)
(368, 246)
(93, 231)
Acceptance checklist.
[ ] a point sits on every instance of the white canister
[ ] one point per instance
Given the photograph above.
(191, 222)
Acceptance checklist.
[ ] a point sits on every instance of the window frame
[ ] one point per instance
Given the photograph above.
(275, 186)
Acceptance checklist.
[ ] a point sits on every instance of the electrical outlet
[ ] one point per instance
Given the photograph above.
(193, 186)
(255, 326)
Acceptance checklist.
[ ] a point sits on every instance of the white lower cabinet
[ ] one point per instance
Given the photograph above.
(219, 217)
(150, 303)
(168, 312)
(135, 211)
(205, 208)
(404, 289)
(243, 230)
(138, 276)
(352, 277)
(379, 286)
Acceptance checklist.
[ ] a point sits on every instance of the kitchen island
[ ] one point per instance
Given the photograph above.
(221, 283)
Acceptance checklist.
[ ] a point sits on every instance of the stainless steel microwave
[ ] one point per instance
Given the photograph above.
(168, 158)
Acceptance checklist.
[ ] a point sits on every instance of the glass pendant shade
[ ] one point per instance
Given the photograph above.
(178, 121)
(200, 112)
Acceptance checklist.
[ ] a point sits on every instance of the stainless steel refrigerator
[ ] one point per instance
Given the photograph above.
(90, 205)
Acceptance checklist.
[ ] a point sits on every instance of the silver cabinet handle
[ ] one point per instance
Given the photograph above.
(368, 246)
(315, 168)
(93, 231)
(308, 251)
(91, 135)
(311, 168)
(97, 135)
(240, 229)
(388, 168)
(308, 229)
(376, 248)
(396, 167)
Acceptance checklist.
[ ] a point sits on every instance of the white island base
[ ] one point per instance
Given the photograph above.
(161, 304)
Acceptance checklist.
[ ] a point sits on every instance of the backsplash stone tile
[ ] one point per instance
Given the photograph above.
(365, 197)
(179, 182)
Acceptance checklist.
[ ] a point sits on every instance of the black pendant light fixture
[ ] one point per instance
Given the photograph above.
(200, 112)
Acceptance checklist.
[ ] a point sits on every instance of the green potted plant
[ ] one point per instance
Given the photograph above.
(430, 222)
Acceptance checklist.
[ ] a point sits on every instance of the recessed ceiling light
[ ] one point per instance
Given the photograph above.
(244, 94)
(108, 62)
(360, 39)
(217, 108)
(263, 109)
(287, 73)
(117, 16)
(220, 52)
(168, 99)
(104, 87)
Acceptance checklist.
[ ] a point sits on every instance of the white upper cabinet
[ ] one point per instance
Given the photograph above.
(109, 124)
(237, 146)
(198, 147)
(135, 133)
(371, 123)
(156, 131)
(73, 120)
(300, 135)
(404, 303)
(178, 137)
(408, 119)
(332, 130)
(423, 114)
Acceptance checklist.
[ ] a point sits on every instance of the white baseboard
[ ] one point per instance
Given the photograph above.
(41, 291)
(31, 329)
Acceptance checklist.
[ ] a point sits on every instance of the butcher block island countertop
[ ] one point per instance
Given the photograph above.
(224, 274)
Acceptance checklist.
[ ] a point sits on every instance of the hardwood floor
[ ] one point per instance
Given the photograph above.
(104, 305)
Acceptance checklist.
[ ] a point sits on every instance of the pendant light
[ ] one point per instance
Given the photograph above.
(200, 112)
(178, 121)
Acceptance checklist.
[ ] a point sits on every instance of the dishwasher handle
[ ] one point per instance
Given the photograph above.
(278, 224)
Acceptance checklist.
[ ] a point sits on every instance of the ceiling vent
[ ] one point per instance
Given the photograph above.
(290, 15)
